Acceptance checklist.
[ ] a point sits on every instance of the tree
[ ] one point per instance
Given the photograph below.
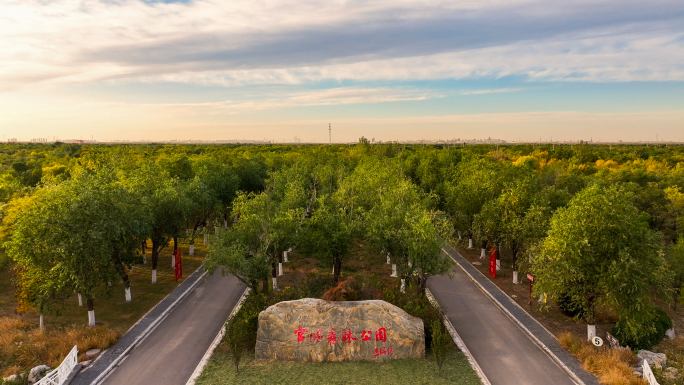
(76, 237)
(162, 197)
(476, 182)
(329, 234)
(600, 250)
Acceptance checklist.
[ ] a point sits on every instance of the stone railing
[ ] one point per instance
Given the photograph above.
(59, 375)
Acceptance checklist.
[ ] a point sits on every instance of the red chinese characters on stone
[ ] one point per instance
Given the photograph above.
(332, 337)
(348, 336)
(301, 334)
(366, 336)
(381, 335)
(384, 351)
(316, 336)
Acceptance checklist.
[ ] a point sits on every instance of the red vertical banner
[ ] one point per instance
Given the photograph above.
(179, 264)
(492, 261)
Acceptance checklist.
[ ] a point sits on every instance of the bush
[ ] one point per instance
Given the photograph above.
(643, 333)
(441, 342)
(344, 291)
(569, 308)
(238, 338)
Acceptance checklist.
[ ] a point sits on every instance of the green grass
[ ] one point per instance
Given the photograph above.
(220, 370)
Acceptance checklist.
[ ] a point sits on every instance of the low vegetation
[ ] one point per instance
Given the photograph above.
(611, 366)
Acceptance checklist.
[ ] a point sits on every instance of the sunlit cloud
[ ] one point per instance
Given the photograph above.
(281, 42)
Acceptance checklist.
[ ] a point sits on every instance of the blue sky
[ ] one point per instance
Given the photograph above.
(392, 70)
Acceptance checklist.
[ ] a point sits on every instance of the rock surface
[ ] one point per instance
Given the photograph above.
(35, 373)
(671, 373)
(315, 330)
(92, 353)
(12, 377)
(657, 359)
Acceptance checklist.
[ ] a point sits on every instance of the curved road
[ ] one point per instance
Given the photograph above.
(170, 354)
(505, 353)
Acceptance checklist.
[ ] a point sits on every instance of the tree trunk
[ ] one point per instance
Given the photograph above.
(264, 285)
(337, 267)
(91, 312)
(80, 300)
(121, 269)
(144, 247)
(155, 259)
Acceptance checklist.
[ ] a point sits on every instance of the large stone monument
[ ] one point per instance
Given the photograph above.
(315, 330)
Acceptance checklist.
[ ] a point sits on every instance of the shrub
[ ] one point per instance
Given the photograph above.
(570, 309)
(344, 291)
(643, 333)
(441, 342)
(238, 336)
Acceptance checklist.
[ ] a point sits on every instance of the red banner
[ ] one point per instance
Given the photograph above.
(179, 264)
(492, 261)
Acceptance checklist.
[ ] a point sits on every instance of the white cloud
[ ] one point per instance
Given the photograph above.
(235, 43)
(494, 91)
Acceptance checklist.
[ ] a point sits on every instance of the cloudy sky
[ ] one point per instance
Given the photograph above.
(389, 70)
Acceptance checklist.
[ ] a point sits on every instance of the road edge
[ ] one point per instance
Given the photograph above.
(150, 328)
(519, 323)
(217, 340)
(457, 340)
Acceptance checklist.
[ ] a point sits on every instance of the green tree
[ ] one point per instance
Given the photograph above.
(77, 236)
(600, 250)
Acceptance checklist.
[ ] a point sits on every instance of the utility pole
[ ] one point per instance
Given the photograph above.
(329, 134)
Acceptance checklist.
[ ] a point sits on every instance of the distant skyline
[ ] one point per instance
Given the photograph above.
(527, 70)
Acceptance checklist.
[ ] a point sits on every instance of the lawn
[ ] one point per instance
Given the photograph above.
(220, 370)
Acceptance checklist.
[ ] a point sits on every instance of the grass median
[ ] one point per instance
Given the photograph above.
(220, 370)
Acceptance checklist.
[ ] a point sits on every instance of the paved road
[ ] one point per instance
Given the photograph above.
(504, 352)
(170, 354)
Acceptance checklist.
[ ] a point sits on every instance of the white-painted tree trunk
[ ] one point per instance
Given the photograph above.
(154, 276)
(394, 270)
(470, 243)
(91, 318)
(128, 294)
(280, 268)
(459, 236)
(216, 230)
(591, 332)
(80, 300)
(225, 223)
(285, 256)
(498, 264)
(403, 286)
(205, 239)
(173, 261)
(144, 259)
(388, 259)
(515, 277)
(483, 253)
(192, 250)
(42, 323)
(235, 219)
(275, 283)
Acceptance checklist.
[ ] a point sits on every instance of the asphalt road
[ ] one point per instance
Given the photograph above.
(170, 354)
(505, 353)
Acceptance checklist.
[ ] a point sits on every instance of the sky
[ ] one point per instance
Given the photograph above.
(518, 70)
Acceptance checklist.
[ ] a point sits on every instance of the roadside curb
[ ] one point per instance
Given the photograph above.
(458, 341)
(113, 356)
(217, 340)
(537, 332)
